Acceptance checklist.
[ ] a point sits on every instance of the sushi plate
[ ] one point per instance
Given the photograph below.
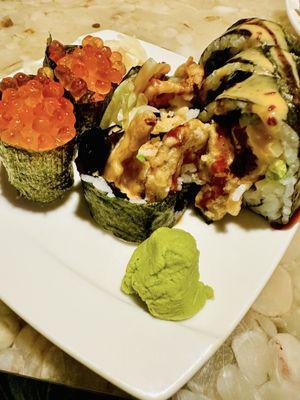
(62, 275)
(293, 11)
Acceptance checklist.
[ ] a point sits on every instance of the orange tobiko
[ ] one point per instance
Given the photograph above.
(91, 67)
(34, 114)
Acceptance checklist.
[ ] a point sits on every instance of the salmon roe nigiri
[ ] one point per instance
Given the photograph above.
(34, 114)
(91, 67)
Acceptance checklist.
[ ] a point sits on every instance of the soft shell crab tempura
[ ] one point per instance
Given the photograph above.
(177, 90)
(162, 137)
(144, 165)
(134, 168)
(164, 145)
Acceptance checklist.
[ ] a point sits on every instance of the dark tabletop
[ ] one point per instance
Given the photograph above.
(14, 387)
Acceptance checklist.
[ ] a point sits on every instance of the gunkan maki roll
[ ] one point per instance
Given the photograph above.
(89, 73)
(137, 171)
(37, 134)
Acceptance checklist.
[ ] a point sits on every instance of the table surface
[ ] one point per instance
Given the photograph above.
(183, 26)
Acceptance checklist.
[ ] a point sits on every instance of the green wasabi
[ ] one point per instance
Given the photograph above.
(163, 272)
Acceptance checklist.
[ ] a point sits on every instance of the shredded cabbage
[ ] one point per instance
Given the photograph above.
(117, 103)
(124, 100)
(148, 70)
(128, 99)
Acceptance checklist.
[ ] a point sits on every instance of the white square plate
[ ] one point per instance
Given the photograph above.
(293, 12)
(62, 275)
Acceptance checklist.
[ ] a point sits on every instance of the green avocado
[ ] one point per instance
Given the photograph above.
(163, 272)
(277, 170)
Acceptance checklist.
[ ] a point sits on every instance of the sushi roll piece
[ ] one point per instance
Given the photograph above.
(254, 154)
(236, 69)
(251, 93)
(126, 215)
(89, 73)
(244, 34)
(37, 136)
(267, 60)
(135, 169)
(139, 187)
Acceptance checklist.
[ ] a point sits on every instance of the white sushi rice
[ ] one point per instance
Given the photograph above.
(273, 198)
(189, 174)
(137, 201)
(190, 113)
(238, 193)
(100, 184)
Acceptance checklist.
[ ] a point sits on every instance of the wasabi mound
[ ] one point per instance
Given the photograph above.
(163, 272)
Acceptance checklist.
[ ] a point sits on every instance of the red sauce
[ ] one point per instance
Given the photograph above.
(219, 166)
(214, 191)
(174, 182)
(295, 218)
(175, 133)
(239, 131)
(189, 157)
(219, 181)
(222, 132)
(272, 121)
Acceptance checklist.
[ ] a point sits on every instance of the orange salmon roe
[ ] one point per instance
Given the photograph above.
(92, 67)
(34, 115)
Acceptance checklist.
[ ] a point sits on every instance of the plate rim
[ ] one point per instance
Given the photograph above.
(170, 390)
(293, 17)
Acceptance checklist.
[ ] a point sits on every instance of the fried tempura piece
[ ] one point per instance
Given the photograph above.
(122, 167)
(166, 157)
(187, 77)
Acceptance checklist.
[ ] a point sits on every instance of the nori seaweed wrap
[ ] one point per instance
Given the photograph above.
(244, 34)
(251, 93)
(37, 136)
(89, 73)
(42, 176)
(133, 222)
